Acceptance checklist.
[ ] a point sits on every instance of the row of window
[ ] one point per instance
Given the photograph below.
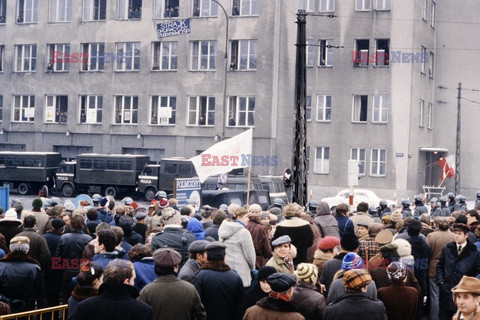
(378, 160)
(96, 10)
(92, 56)
(162, 110)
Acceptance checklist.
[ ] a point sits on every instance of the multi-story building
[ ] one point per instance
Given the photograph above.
(372, 76)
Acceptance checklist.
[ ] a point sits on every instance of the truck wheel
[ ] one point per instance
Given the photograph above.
(150, 194)
(23, 188)
(67, 190)
(111, 191)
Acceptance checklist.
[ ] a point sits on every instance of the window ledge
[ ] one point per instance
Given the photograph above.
(94, 124)
(380, 123)
(329, 11)
(243, 16)
(57, 71)
(244, 70)
(322, 173)
(162, 125)
(361, 66)
(25, 23)
(165, 18)
(378, 175)
(55, 123)
(363, 10)
(34, 71)
(382, 10)
(359, 122)
(240, 127)
(58, 22)
(198, 126)
(124, 124)
(172, 70)
(323, 121)
(87, 21)
(91, 71)
(126, 71)
(203, 70)
(381, 67)
(133, 19)
(203, 17)
(23, 122)
(320, 66)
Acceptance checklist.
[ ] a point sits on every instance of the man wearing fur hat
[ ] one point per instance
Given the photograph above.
(21, 279)
(260, 236)
(466, 296)
(297, 229)
(459, 258)
(10, 225)
(355, 304)
(278, 303)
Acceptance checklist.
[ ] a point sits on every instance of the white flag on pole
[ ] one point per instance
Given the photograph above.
(225, 156)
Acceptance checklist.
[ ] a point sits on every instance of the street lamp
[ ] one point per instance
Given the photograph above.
(226, 70)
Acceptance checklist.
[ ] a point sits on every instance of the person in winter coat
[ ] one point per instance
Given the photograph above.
(466, 296)
(278, 303)
(400, 301)
(169, 296)
(327, 224)
(105, 248)
(297, 229)
(355, 304)
(257, 292)
(420, 207)
(53, 277)
(282, 259)
(349, 243)
(327, 249)
(458, 259)
(435, 208)
(345, 225)
(437, 240)
(316, 236)
(21, 279)
(337, 289)
(260, 236)
(240, 250)
(219, 287)
(198, 257)
(142, 260)
(194, 226)
(173, 236)
(10, 225)
(89, 280)
(308, 301)
(116, 296)
(421, 255)
(217, 218)
(368, 246)
(40, 215)
(38, 245)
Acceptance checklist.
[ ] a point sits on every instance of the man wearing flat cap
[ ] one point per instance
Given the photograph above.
(219, 287)
(355, 304)
(277, 305)
(21, 279)
(198, 257)
(282, 257)
(466, 296)
(170, 297)
(459, 258)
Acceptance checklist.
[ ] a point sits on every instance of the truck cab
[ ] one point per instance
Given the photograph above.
(65, 178)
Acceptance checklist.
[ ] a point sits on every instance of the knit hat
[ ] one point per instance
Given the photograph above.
(265, 271)
(254, 210)
(281, 282)
(70, 206)
(37, 203)
(329, 242)
(396, 271)
(352, 261)
(307, 272)
(171, 216)
(396, 216)
(166, 257)
(349, 242)
(384, 237)
(356, 279)
(404, 247)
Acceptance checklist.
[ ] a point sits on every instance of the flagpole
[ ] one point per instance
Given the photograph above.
(248, 184)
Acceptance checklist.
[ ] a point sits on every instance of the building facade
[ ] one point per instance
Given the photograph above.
(94, 76)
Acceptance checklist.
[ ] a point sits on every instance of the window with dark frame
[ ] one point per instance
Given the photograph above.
(361, 55)
(383, 52)
(3, 11)
(94, 10)
(360, 108)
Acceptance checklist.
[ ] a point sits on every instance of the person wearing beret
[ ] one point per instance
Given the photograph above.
(219, 287)
(169, 296)
(282, 256)
(459, 258)
(21, 278)
(327, 249)
(355, 304)
(466, 296)
(277, 305)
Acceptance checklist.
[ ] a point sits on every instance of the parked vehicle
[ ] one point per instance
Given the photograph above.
(28, 171)
(215, 198)
(155, 177)
(359, 195)
(107, 174)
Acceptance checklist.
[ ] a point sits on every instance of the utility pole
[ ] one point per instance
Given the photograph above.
(299, 168)
(458, 140)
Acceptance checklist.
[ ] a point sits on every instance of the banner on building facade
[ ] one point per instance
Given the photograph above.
(173, 28)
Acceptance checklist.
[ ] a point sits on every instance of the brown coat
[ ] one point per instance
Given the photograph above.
(317, 236)
(437, 241)
(320, 258)
(476, 316)
(400, 301)
(272, 309)
(261, 242)
(380, 277)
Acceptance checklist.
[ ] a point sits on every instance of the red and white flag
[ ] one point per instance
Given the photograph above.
(447, 165)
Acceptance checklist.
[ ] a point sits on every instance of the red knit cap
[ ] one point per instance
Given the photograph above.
(328, 243)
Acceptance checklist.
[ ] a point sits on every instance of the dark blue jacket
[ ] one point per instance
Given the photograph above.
(145, 271)
(355, 306)
(345, 225)
(176, 238)
(220, 289)
(103, 259)
(104, 215)
(212, 232)
(452, 267)
(71, 245)
(53, 239)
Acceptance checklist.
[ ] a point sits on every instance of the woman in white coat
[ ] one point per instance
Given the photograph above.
(240, 252)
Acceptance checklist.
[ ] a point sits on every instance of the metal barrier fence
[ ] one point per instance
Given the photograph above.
(39, 314)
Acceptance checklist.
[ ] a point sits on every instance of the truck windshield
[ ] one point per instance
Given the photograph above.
(65, 168)
(150, 171)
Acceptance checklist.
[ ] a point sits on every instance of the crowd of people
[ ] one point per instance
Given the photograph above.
(109, 261)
